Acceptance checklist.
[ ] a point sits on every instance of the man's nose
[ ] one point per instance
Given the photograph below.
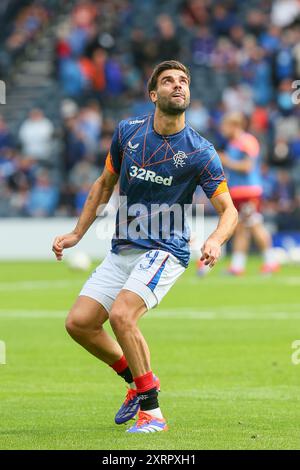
(177, 85)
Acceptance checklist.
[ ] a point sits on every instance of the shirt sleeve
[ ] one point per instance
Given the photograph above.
(114, 157)
(212, 178)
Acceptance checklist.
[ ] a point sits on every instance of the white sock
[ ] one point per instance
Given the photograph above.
(156, 413)
(268, 256)
(132, 386)
(238, 261)
(203, 268)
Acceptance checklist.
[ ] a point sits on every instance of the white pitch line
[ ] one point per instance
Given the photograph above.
(62, 283)
(33, 313)
(177, 314)
(38, 285)
(241, 308)
(243, 315)
(249, 280)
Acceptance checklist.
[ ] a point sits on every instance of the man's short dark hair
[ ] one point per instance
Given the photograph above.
(166, 65)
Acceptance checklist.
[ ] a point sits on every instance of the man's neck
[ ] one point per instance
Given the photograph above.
(166, 124)
(238, 133)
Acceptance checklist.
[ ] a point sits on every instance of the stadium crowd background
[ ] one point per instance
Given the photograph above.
(243, 55)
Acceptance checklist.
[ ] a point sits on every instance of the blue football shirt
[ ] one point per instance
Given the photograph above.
(158, 176)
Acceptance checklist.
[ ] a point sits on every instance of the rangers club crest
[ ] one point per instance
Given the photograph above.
(179, 159)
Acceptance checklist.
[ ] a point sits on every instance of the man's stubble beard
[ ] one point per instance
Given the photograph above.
(172, 109)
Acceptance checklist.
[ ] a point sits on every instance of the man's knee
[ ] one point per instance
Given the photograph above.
(120, 319)
(72, 325)
(77, 324)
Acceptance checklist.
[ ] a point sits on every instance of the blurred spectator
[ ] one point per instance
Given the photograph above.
(89, 125)
(269, 177)
(259, 121)
(270, 39)
(139, 49)
(256, 72)
(222, 20)
(74, 145)
(114, 77)
(295, 148)
(168, 44)
(20, 182)
(239, 98)
(63, 48)
(256, 22)
(82, 132)
(72, 77)
(284, 97)
(80, 198)
(5, 135)
(81, 177)
(84, 14)
(281, 152)
(284, 196)
(237, 33)
(8, 164)
(94, 70)
(286, 126)
(5, 198)
(296, 51)
(195, 13)
(202, 46)
(224, 56)
(69, 109)
(295, 158)
(82, 174)
(28, 22)
(35, 135)
(198, 116)
(24, 174)
(270, 188)
(43, 197)
(142, 105)
(283, 59)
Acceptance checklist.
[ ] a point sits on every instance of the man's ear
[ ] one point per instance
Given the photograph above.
(153, 96)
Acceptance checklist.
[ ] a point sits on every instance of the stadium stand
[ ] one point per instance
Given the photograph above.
(74, 68)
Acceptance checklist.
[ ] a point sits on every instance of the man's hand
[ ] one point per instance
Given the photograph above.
(211, 251)
(64, 241)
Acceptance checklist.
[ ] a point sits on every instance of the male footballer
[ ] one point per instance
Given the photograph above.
(241, 160)
(158, 160)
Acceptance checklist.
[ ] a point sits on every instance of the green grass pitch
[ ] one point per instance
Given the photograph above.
(221, 346)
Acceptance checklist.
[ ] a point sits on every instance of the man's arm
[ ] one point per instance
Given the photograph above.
(99, 195)
(228, 219)
(243, 166)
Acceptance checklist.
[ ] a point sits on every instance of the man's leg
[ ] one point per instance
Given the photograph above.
(240, 249)
(126, 311)
(152, 276)
(85, 325)
(261, 236)
(264, 242)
